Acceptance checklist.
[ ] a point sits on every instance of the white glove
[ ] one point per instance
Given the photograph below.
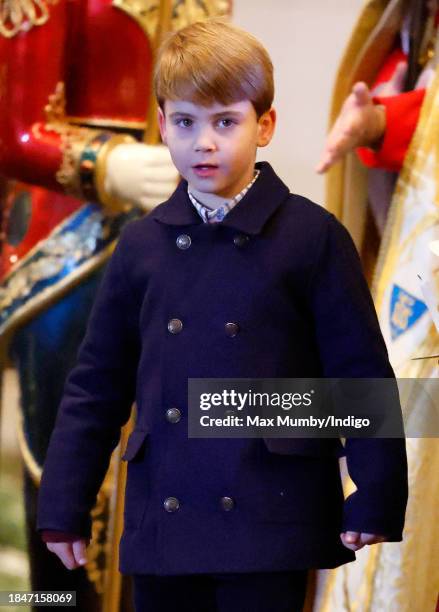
(142, 174)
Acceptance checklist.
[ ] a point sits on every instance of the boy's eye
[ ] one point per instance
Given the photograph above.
(184, 122)
(225, 122)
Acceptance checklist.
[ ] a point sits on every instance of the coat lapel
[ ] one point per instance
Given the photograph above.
(249, 215)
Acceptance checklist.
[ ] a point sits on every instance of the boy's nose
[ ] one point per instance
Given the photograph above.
(204, 142)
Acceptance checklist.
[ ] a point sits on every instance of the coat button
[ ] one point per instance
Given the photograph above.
(231, 329)
(171, 504)
(173, 415)
(175, 326)
(183, 241)
(240, 240)
(227, 503)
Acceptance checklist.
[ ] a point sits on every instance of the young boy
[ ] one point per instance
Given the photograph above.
(232, 277)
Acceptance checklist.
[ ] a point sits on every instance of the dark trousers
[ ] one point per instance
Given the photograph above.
(260, 592)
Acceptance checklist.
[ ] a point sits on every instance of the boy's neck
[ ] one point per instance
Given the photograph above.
(212, 200)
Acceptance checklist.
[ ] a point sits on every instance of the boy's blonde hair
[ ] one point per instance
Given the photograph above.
(211, 62)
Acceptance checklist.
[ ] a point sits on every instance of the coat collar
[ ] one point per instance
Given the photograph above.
(249, 215)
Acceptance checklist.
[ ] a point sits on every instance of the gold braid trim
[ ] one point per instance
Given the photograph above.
(73, 140)
(21, 15)
(84, 154)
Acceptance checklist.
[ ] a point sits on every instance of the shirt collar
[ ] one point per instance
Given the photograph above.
(213, 208)
(249, 215)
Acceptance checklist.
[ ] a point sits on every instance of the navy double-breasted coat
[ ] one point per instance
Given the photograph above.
(287, 273)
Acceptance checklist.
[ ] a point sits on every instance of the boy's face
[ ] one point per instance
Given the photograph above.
(214, 147)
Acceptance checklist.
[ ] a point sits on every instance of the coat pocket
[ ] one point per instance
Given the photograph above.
(296, 488)
(137, 491)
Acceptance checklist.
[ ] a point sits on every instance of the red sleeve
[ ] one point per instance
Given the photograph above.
(38, 145)
(388, 68)
(402, 114)
(32, 63)
(59, 536)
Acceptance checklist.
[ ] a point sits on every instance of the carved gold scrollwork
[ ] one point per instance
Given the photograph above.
(184, 12)
(21, 15)
(73, 139)
(97, 549)
(55, 109)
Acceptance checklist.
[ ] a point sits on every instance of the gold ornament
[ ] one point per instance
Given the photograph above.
(22, 15)
(184, 12)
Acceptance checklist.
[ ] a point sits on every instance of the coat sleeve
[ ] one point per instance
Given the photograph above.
(96, 403)
(351, 345)
(58, 536)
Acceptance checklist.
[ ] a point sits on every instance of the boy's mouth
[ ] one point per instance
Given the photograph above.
(204, 170)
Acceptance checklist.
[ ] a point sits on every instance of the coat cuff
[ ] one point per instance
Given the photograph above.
(48, 535)
(359, 515)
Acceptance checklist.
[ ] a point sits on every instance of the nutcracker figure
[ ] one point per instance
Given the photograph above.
(79, 157)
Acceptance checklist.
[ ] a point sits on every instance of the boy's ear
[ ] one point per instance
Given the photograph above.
(266, 125)
(162, 124)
